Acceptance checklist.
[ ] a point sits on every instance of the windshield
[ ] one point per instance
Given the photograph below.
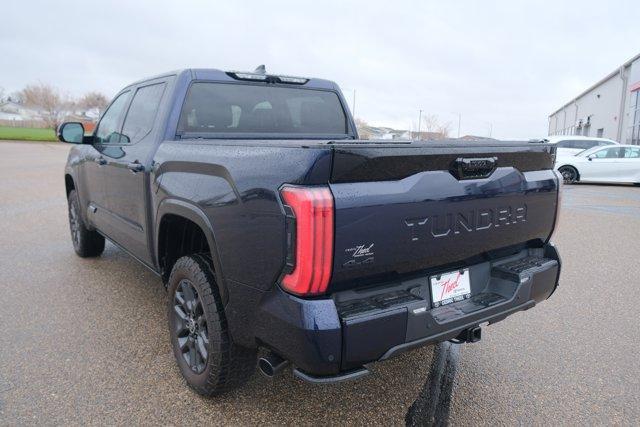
(220, 109)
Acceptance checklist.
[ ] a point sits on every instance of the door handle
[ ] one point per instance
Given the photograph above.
(135, 167)
(100, 161)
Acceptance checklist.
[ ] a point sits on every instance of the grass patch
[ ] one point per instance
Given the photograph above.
(27, 134)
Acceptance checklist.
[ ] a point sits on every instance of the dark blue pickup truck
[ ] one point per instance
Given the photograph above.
(273, 226)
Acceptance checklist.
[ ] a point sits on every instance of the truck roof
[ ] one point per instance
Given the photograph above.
(221, 75)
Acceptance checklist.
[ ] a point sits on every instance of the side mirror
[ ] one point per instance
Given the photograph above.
(72, 132)
(590, 158)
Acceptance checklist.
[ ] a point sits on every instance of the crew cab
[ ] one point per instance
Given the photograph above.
(274, 227)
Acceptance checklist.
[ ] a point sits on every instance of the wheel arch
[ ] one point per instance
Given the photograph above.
(174, 208)
(69, 183)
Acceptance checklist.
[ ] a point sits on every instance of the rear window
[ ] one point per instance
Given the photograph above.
(219, 108)
(632, 152)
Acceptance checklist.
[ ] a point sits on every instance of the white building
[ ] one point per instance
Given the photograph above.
(608, 109)
(10, 110)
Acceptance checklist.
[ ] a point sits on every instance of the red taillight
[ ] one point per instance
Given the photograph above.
(313, 250)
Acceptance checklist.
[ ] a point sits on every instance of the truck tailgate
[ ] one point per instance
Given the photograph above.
(405, 208)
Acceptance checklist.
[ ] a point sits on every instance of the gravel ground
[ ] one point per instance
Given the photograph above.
(85, 341)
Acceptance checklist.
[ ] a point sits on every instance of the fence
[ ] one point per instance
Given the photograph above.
(39, 124)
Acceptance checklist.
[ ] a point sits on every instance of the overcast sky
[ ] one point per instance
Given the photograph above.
(504, 64)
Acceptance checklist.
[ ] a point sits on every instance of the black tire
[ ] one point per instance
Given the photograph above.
(87, 243)
(209, 360)
(569, 174)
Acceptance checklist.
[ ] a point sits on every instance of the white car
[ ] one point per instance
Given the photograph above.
(615, 163)
(568, 144)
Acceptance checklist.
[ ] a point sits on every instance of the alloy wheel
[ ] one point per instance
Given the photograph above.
(191, 326)
(74, 224)
(569, 175)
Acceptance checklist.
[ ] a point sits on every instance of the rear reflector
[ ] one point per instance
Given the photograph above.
(313, 250)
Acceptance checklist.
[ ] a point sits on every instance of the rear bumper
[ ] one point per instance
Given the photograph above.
(332, 336)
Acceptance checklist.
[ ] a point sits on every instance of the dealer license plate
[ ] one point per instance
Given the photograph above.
(450, 287)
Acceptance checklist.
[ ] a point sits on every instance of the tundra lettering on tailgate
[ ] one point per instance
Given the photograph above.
(454, 223)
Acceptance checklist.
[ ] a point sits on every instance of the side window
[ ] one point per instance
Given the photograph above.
(632, 152)
(579, 144)
(142, 113)
(585, 145)
(108, 128)
(608, 153)
(562, 144)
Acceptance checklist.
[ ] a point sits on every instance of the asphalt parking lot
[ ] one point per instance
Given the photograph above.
(85, 341)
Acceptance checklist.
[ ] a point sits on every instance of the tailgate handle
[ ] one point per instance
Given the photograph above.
(474, 167)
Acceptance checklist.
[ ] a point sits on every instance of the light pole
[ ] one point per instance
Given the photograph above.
(459, 121)
(419, 123)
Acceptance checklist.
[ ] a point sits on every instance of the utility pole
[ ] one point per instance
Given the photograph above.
(419, 123)
(490, 129)
(459, 121)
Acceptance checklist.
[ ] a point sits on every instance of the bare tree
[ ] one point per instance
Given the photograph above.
(49, 103)
(444, 129)
(1, 94)
(430, 123)
(363, 129)
(434, 128)
(93, 100)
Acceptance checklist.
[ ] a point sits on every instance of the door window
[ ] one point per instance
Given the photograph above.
(142, 113)
(607, 153)
(109, 126)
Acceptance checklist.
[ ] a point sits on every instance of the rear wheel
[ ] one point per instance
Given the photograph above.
(209, 360)
(86, 243)
(569, 174)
